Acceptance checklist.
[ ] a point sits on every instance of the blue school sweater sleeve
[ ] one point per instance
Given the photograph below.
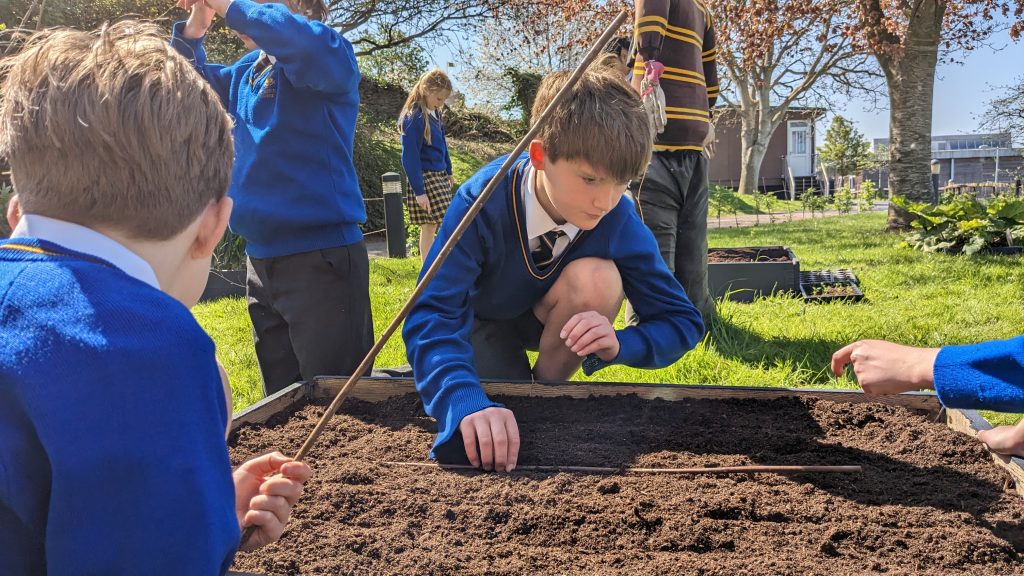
(218, 76)
(669, 323)
(437, 331)
(985, 376)
(312, 54)
(412, 148)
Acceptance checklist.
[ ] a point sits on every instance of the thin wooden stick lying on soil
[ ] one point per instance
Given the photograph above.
(446, 250)
(630, 470)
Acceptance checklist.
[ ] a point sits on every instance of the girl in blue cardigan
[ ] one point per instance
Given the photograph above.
(425, 155)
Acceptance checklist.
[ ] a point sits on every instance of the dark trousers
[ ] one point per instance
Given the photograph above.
(499, 346)
(673, 202)
(310, 314)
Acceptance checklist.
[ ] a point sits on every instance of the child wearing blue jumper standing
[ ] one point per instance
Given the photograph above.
(425, 155)
(297, 199)
(112, 410)
(543, 267)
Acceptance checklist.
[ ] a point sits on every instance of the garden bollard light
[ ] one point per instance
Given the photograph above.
(935, 182)
(394, 218)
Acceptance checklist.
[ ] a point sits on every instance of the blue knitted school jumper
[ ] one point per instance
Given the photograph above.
(294, 183)
(112, 419)
(491, 274)
(417, 155)
(986, 376)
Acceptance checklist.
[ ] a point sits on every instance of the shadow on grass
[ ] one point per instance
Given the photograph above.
(736, 342)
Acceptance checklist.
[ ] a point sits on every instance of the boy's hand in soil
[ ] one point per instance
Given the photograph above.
(1008, 440)
(886, 368)
(491, 438)
(591, 333)
(264, 499)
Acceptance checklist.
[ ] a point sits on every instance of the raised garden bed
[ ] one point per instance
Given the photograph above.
(830, 286)
(929, 499)
(743, 274)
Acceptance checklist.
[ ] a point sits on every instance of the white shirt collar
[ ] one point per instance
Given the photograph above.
(537, 219)
(87, 241)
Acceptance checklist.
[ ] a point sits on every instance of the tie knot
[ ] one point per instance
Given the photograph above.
(552, 236)
(544, 254)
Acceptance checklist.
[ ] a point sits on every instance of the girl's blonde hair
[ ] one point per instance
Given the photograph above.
(433, 81)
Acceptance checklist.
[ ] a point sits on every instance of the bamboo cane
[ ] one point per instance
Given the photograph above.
(632, 470)
(446, 250)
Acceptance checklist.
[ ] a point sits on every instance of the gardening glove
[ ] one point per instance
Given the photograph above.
(653, 71)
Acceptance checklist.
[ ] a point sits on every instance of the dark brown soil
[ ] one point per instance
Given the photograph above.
(748, 255)
(929, 501)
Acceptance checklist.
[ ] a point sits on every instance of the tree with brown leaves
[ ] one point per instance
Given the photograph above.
(775, 54)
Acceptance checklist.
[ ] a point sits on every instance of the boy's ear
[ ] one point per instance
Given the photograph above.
(212, 223)
(14, 212)
(537, 154)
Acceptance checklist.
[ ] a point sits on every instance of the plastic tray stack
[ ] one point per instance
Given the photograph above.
(814, 285)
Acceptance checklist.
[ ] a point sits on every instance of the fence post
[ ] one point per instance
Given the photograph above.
(394, 218)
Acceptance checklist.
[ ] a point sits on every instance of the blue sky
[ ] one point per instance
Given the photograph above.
(961, 91)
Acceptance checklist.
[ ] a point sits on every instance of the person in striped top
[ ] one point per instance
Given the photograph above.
(676, 50)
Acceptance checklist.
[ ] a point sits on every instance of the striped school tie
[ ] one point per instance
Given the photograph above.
(544, 254)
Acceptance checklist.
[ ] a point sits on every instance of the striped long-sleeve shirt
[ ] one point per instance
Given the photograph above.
(681, 35)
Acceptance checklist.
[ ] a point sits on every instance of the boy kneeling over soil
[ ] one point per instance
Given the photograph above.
(543, 267)
(984, 376)
(112, 408)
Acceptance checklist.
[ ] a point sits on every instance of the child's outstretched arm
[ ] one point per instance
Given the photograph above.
(669, 324)
(985, 376)
(437, 338)
(311, 54)
(187, 39)
(886, 368)
(989, 375)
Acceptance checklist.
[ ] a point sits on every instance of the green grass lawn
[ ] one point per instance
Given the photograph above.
(912, 298)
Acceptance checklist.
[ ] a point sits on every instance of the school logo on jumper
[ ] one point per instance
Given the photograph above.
(269, 89)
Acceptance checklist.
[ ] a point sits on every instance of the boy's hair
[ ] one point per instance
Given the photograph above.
(113, 128)
(432, 81)
(602, 122)
(312, 9)
(619, 45)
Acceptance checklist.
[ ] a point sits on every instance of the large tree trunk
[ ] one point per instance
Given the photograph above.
(911, 80)
(756, 131)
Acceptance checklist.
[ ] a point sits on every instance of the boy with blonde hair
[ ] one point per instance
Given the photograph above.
(543, 267)
(112, 408)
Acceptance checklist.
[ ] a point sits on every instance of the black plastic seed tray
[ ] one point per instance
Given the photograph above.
(830, 286)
